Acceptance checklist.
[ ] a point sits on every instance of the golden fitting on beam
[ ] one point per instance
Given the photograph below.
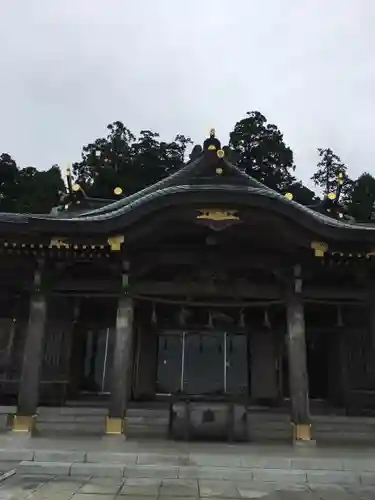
(219, 170)
(331, 196)
(302, 432)
(114, 426)
(319, 248)
(58, 243)
(115, 242)
(23, 424)
(218, 215)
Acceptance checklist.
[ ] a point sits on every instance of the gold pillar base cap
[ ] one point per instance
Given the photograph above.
(114, 426)
(24, 424)
(302, 432)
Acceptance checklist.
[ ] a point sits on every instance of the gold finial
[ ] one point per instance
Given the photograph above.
(212, 132)
(68, 171)
(117, 191)
(340, 179)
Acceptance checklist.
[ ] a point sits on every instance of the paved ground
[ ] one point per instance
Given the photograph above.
(43, 488)
(103, 469)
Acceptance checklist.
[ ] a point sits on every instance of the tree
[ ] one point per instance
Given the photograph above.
(329, 168)
(8, 183)
(302, 194)
(106, 161)
(261, 152)
(122, 160)
(362, 202)
(39, 191)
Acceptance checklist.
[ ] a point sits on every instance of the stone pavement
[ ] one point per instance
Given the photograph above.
(50, 488)
(103, 468)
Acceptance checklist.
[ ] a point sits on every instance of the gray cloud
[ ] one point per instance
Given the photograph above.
(71, 67)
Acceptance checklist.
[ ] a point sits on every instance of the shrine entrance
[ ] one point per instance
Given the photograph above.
(202, 363)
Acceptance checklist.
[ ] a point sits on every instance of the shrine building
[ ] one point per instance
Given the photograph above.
(205, 289)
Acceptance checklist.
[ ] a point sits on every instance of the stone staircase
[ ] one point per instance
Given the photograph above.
(327, 429)
(264, 426)
(334, 429)
(147, 422)
(71, 420)
(152, 422)
(140, 422)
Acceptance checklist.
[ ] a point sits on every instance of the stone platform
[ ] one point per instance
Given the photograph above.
(113, 457)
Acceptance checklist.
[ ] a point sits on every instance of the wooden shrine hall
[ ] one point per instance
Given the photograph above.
(204, 288)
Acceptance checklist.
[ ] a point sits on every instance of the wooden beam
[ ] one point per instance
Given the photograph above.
(211, 289)
(243, 290)
(145, 261)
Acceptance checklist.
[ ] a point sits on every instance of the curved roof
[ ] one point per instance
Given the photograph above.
(197, 183)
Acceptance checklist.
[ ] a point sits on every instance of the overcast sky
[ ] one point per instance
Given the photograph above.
(70, 67)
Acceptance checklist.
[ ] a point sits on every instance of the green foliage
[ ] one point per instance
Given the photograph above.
(122, 160)
(132, 163)
(8, 183)
(28, 189)
(39, 191)
(361, 205)
(261, 151)
(328, 170)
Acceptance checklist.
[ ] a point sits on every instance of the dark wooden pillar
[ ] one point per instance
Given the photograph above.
(298, 376)
(28, 393)
(122, 363)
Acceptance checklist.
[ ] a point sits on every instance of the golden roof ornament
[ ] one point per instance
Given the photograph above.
(212, 143)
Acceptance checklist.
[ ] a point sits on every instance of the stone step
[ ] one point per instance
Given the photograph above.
(286, 474)
(69, 428)
(67, 410)
(66, 419)
(147, 422)
(148, 412)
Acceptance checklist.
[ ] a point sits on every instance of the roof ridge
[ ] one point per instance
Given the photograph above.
(165, 182)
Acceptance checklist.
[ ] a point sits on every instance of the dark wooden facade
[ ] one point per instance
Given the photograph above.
(205, 283)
